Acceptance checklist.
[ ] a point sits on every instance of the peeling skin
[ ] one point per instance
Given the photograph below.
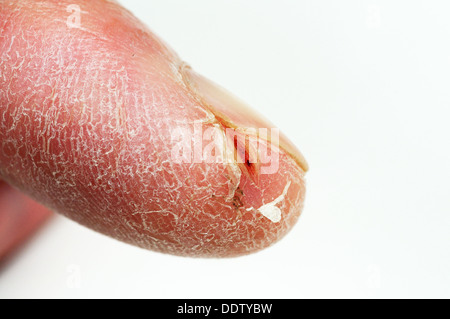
(87, 125)
(270, 210)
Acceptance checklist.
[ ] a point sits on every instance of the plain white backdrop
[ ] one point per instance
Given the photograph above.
(363, 88)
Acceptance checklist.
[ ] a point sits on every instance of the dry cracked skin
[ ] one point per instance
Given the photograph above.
(100, 121)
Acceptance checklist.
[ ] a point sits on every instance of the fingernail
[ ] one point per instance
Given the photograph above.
(233, 112)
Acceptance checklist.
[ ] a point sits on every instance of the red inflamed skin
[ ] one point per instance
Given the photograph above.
(102, 122)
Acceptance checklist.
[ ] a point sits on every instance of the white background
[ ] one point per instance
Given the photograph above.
(363, 88)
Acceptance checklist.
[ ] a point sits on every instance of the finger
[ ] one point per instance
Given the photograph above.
(20, 217)
(102, 122)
